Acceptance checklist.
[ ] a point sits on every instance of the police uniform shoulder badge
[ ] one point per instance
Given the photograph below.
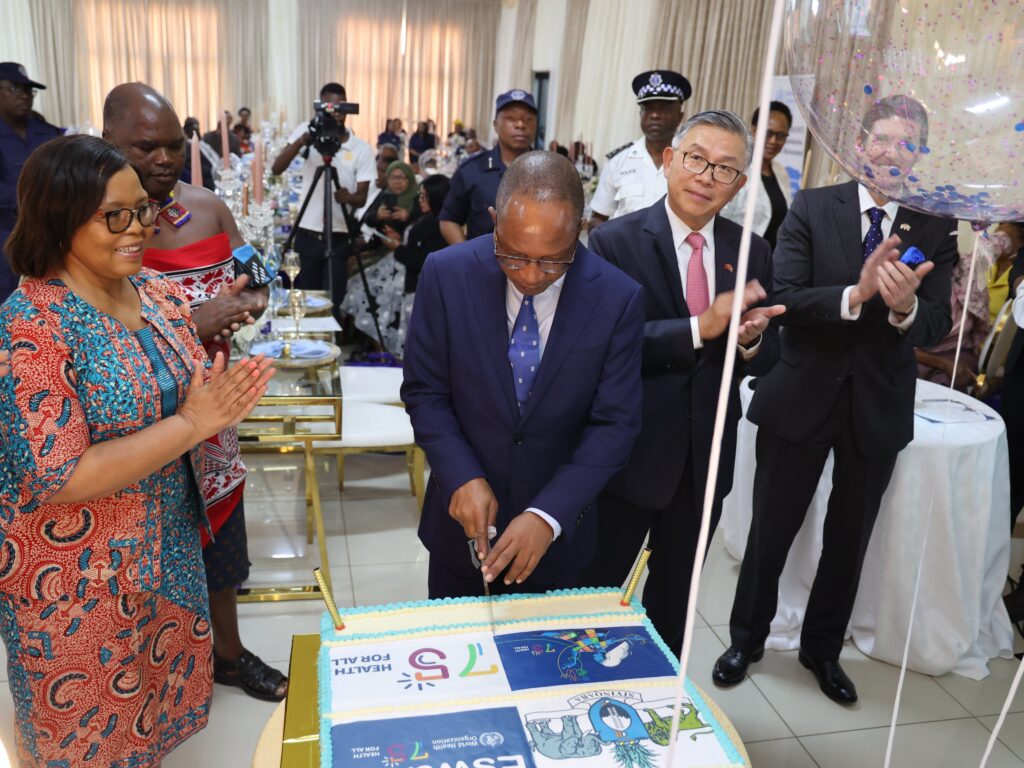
(616, 151)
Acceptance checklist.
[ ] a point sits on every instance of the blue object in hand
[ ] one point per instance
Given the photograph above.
(912, 256)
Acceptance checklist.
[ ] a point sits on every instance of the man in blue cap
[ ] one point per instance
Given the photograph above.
(475, 183)
(634, 178)
(20, 133)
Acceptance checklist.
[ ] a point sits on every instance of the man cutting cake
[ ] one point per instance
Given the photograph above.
(522, 380)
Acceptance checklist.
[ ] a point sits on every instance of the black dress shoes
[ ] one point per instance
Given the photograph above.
(833, 681)
(731, 666)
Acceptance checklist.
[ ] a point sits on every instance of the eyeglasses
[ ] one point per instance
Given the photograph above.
(547, 266)
(696, 164)
(120, 219)
(20, 88)
(777, 135)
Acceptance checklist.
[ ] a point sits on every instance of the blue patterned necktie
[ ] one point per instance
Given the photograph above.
(874, 238)
(524, 351)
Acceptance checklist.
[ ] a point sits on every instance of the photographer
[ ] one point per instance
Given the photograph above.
(355, 167)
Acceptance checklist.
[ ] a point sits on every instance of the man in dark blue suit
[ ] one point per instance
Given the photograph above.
(684, 255)
(522, 380)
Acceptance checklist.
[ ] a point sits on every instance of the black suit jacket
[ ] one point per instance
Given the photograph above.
(680, 384)
(1013, 357)
(819, 254)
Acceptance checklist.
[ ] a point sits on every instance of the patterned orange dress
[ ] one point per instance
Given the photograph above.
(103, 604)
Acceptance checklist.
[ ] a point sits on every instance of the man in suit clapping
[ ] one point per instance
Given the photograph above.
(845, 383)
(684, 255)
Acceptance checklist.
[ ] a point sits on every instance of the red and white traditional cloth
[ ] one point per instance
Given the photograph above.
(202, 269)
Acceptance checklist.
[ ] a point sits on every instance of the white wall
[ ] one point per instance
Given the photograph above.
(547, 53)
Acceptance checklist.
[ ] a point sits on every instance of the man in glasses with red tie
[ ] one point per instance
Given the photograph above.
(684, 255)
(522, 380)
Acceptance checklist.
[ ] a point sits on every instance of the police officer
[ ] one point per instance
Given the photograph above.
(20, 133)
(475, 183)
(633, 178)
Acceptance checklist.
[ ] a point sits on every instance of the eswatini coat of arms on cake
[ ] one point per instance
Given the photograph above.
(571, 679)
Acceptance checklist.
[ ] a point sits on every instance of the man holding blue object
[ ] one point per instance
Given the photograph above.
(522, 380)
(845, 383)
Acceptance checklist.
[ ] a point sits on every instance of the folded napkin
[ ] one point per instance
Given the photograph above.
(300, 348)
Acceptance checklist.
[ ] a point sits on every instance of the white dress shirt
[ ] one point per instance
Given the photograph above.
(544, 304)
(890, 209)
(629, 181)
(680, 231)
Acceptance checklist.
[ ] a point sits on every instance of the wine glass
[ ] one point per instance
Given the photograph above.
(291, 266)
(297, 308)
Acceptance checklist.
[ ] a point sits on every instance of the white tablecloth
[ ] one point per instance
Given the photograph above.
(958, 470)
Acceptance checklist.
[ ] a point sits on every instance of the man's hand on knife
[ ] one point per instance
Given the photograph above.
(522, 544)
(474, 508)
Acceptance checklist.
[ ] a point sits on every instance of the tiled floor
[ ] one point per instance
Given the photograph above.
(782, 717)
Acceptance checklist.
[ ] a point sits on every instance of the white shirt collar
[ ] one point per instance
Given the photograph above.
(867, 202)
(552, 290)
(680, 230)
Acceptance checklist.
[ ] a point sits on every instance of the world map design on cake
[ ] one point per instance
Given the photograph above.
(570, 679)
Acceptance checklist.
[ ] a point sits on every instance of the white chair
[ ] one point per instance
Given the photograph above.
(368, 427)
(369, 384)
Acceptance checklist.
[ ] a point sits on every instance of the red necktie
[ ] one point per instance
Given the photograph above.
(696, 278)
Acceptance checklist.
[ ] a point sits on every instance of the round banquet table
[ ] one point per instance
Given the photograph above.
(959, 472)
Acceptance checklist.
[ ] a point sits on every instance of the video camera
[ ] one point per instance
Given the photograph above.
(327, 133)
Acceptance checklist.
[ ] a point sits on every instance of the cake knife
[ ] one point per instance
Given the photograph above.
(492, 532)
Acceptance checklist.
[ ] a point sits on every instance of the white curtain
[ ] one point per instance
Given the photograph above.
(399, 58)
(605, 110)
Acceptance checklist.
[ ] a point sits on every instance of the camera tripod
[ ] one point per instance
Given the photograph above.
(327, 168)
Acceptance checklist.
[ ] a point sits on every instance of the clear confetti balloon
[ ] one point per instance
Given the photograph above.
(920, 100)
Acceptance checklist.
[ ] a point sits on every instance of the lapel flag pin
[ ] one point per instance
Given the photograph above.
(905, 227)
(728, 267)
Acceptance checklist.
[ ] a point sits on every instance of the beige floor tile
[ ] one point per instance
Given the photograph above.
(749, 711)
(780, 753)
(717, 584)
(986, 697)
(390, 583)
(795, 694)
(950, 744)
(1012, 732)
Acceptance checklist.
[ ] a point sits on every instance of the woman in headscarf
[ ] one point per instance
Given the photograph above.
(398, 203)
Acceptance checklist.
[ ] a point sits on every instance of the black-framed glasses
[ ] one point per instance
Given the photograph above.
(28, 90)
(723, 174)
(777, 135)
(547, 266)
(120, 219)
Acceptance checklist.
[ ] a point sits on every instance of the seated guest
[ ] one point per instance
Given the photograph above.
(772, 189)
(936, 363)
(212, 138)
(1007, 241)
(395, 212)
(420, 142)
(243, 130)
(386, 155)
(389, 135)
(578, 154)
(424, 237)
(105, 410)
(522, 380)
(397, 202)
(473, 146)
